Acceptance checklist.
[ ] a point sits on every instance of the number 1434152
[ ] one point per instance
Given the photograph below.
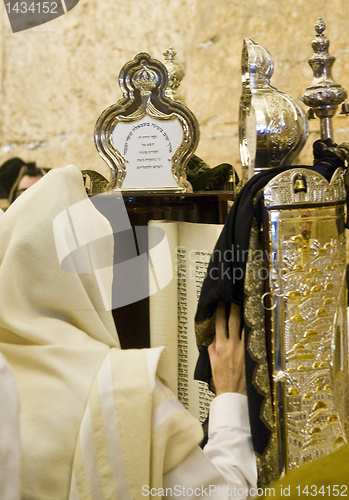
(32, 7)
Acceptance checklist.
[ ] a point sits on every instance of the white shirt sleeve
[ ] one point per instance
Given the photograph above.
(226, 468)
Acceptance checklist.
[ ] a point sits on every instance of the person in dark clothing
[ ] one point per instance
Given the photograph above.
(16, 176)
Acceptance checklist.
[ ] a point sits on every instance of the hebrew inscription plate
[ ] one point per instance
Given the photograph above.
(146, 138)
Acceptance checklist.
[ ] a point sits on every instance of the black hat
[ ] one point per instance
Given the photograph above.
(9, 172)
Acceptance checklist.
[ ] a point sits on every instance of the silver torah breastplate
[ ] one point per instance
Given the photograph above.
(307, 268)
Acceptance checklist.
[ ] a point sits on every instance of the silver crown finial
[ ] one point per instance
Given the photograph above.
(324, 95)
(175, 74)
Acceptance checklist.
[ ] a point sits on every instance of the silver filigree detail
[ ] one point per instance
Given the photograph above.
(272, 125)
(309, 336)
(175, 74)
(145, 79)
(324, 95)
(281, 190)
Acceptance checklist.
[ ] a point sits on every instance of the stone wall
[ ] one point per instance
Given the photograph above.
(57, 78)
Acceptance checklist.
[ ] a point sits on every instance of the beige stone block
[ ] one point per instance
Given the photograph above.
(57, 78)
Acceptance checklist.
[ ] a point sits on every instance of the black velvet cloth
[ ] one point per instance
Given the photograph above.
(224, 281)
(204, 178)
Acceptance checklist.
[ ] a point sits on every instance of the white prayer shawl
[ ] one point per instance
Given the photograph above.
(127, 435)
(9, 434)
(85, 404)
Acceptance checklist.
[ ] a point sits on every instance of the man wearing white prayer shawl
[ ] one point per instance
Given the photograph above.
(98, 422)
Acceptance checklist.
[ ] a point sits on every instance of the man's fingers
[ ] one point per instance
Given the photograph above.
(221, 323)
(227, 353)
(223, 331)
(243, 336)
(234, 321)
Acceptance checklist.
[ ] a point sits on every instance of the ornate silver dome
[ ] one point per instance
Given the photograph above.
(272, 125)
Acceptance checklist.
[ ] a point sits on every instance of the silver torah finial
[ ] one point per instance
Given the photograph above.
(272, 125)
(324, 95)
(175, 74)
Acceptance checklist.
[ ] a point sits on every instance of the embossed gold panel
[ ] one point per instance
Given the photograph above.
(307, 266)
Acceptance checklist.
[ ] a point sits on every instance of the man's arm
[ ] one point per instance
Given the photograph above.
(227, 466)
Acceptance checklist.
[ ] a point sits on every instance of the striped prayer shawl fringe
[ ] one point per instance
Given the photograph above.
(133, 430)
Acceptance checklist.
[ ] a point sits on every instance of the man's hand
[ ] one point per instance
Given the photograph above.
(227, 354)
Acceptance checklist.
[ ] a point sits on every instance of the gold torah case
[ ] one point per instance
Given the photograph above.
(305, 220)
